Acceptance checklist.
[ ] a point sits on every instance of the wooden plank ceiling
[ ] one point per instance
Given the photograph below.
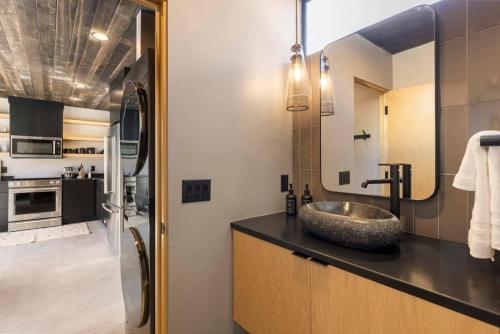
(46, 47)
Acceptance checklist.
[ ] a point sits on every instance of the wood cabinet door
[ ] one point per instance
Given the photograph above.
(344, 303)
(271, 287)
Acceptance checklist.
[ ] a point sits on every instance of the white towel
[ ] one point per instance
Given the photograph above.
(478, 172)
(494, 175)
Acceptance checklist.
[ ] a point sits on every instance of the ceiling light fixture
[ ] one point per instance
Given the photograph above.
(100, 36)
(79, 85)
(298, 90)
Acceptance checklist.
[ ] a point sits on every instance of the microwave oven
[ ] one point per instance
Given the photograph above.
(35, 147)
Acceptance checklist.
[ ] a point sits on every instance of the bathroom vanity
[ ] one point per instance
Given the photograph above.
(286, 281)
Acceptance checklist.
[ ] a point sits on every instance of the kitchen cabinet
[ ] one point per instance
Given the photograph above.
(4, 204)
(78, 204)
(277, 292)
(271, 288)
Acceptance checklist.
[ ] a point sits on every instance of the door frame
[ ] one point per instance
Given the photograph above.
(160, 8)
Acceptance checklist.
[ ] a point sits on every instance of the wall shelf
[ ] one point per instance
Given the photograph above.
(69, 121)
(4, 134)
(82, 155)
(83, 122)
(4, 154)
(76, 138)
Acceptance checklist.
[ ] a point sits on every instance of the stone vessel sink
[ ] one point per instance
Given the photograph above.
(351, 224)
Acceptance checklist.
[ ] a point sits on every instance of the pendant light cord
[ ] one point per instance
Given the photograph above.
(296, 21)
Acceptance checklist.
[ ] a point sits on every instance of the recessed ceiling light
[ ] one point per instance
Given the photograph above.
(79, 85)
(100, 36)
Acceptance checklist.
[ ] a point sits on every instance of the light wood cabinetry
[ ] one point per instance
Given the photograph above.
(271, 288)
(278, 292)
(342, 302)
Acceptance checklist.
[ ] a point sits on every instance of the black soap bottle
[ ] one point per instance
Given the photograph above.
(291, 202)
(307, 198)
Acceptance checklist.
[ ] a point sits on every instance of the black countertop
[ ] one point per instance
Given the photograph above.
(439, 271)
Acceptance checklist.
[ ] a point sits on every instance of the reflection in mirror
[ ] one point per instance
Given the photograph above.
(383, 93)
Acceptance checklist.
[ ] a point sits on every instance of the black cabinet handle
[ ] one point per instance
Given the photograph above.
(302, 256)
(321, 262)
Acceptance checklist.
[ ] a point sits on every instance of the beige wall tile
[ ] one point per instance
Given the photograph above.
(453, 132)
(331, 196)
(316, 187)
(305, 152)
(296, 149)
(454, 72)
(453, 19)
(484, 116)
(452, 211)
(305, 178)
(426, 217)
(483, 14)
(407, 216)
(316, 147)
(484, 66)
(305, 117)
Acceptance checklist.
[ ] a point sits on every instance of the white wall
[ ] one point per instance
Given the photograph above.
(53, 167)
(353, 56)
(414, 66)
(366, 152)
(227, 122)
(330, 20)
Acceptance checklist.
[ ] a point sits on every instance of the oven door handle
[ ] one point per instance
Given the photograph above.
(34, 190)
(110, 208)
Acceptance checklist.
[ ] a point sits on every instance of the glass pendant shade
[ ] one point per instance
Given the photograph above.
(327, 104)
(298, 93)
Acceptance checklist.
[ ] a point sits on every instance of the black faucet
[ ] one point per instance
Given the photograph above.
(393, 180)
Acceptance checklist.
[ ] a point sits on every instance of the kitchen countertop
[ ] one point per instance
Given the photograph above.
(439, 271)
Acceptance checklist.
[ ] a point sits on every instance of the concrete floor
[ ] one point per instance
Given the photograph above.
(69, 285)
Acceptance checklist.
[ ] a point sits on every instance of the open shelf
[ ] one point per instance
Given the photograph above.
(4, 154)
(83, 122)
(70, 121)
(4, 134)
(82, 155)
(76, 138)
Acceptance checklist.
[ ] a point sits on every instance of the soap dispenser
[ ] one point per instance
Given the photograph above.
(291, 202)
(307, 198)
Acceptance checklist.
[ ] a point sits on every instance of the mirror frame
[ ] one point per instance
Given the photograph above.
(437, 106)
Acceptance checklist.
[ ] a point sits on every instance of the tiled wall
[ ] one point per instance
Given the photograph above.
(470, 102)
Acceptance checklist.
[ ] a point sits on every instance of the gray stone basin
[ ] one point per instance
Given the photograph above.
(351, 224)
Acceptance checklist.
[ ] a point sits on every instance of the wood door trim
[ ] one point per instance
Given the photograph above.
(161, 133)
(370, 85)
(161, 308)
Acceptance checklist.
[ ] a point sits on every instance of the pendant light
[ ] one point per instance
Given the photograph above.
(327, 98)
(298, 93)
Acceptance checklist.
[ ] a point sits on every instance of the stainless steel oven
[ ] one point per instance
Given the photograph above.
(34, 204)
(35, 147)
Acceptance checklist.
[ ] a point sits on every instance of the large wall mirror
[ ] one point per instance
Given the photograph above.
(382, 81)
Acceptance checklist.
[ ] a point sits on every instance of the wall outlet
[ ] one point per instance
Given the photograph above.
(344, 178)
(196, 191)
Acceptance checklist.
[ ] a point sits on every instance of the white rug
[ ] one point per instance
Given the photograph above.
(42, 234)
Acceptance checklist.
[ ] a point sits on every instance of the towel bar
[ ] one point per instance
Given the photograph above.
(491, 140)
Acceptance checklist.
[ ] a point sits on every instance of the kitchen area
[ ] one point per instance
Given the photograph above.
(77, 168)
(48, 179)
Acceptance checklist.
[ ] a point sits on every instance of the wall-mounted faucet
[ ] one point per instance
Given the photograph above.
(393, 180)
